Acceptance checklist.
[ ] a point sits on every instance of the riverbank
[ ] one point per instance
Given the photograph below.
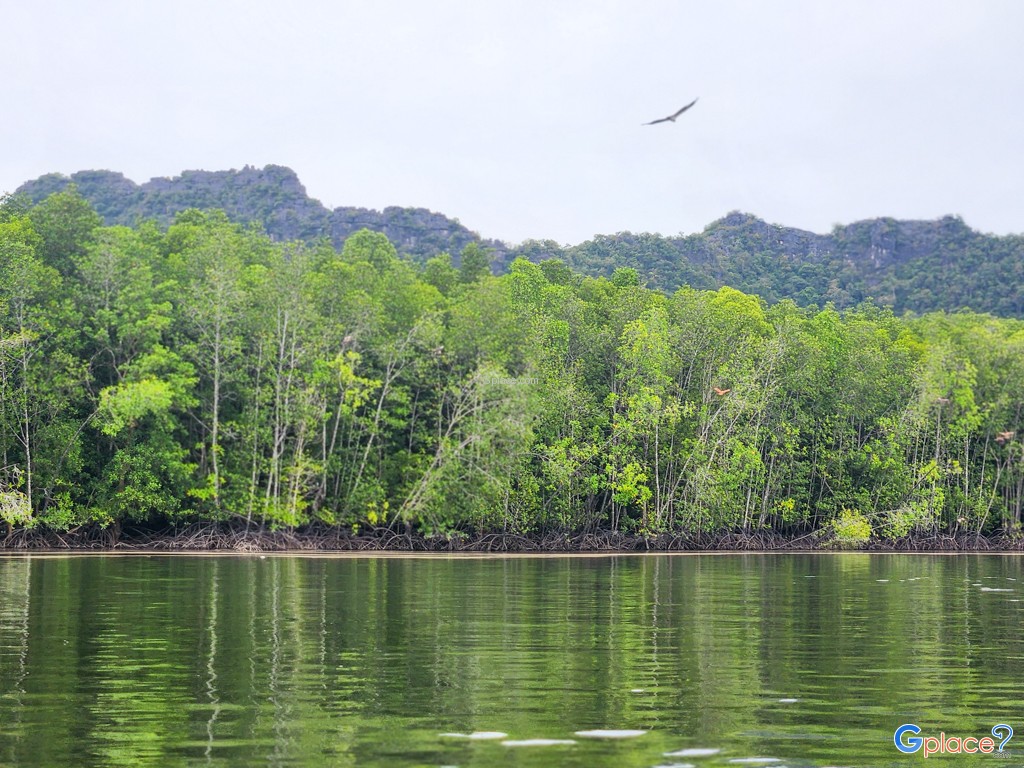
(231, 538)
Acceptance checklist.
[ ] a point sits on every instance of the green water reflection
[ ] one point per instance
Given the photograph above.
(163, 661)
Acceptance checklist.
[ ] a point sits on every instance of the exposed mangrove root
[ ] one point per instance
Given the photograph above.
(236, 537)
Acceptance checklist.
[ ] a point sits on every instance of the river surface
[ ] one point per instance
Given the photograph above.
(813, 660)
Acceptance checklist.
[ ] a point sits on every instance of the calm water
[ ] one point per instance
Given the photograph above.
(810, 659)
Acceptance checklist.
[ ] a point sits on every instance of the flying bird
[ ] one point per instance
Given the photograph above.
(672, 118)
(721, 392)
(1002, 437)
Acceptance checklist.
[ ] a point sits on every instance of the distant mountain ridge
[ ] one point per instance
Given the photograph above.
(917, 266)
(907, 265)
(272, 196)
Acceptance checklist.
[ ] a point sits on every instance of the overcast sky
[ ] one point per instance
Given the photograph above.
(523, 119)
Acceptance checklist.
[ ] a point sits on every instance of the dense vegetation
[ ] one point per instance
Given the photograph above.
(271, 196)
(920, 266)
(207, 372)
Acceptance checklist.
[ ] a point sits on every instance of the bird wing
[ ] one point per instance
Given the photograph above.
(677, 114)
(671, 118)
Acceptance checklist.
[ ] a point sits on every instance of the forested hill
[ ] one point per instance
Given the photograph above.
(907, 265)
(920, 266)
(272, 196)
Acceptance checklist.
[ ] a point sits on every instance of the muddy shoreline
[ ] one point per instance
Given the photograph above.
(238, 538)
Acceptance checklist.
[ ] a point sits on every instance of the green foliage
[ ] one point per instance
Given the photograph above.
(851, 530)
(474, 263)
(208, 372)
(65, 223)
(15, 509)
(124, 405)
(371, 247)
(623, 277)
(439, 272)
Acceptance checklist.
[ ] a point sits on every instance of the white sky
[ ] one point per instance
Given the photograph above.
(523, 119)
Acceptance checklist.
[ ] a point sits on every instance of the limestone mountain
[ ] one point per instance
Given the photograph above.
(918, 266)
(272, 196)
(907, 265)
